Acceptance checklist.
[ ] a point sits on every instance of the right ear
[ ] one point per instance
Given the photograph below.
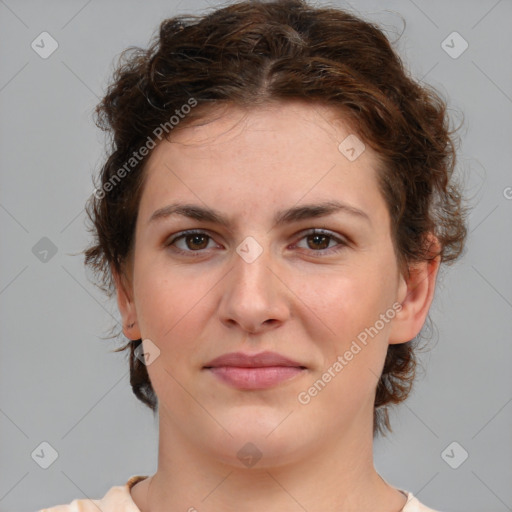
(126, 305)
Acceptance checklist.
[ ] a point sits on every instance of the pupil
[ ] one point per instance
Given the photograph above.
(195, 238)
(316, 237)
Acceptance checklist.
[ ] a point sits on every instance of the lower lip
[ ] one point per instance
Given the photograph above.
(255, 378)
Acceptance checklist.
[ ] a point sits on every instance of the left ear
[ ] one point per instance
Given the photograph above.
(415, 293)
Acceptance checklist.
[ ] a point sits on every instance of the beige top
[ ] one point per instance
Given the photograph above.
(119, 499)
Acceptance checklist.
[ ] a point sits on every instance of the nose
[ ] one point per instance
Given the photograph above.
(254, 296)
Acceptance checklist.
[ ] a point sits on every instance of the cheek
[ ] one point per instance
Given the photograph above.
(163, 294)
(173, 307)
(352, 306)
(350, 297)
(172, 316)
(354, 353)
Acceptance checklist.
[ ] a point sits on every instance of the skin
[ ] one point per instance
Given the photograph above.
(291, 300)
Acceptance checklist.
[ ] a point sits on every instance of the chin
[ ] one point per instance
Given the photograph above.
(256, 442)
(245, 452)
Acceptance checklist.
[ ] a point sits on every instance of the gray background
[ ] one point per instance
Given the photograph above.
(59, 381)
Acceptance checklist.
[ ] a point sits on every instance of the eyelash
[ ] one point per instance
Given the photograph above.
(183, 234)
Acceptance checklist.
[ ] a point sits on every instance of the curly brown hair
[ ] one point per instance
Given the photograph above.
(254, 52)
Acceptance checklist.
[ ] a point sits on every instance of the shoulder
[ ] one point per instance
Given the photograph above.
(413, 505)
(117, 499)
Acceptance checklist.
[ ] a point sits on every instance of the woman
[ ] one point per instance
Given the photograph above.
(272, 216)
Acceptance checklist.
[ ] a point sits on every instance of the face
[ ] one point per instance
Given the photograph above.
(318, 287)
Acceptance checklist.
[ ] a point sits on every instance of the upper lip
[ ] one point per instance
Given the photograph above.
(243, 360)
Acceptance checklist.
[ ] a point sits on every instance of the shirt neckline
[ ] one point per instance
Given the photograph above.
(138, 478)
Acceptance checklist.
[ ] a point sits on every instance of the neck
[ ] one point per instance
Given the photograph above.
(335, 474)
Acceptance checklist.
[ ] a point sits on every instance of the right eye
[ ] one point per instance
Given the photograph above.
(193, 241)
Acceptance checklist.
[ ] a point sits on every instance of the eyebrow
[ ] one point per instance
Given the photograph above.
(282, 217)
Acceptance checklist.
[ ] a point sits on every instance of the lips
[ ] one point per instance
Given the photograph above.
(254, 371)
(260, 360)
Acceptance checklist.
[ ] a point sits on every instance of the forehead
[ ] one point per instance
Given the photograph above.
(289, 122)
(265, 157)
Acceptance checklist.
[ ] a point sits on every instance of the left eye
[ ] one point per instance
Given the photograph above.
(321, 240)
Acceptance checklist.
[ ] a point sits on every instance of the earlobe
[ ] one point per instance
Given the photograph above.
(126, 306)
(415, 293)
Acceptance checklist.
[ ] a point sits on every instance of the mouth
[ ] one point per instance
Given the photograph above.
(256, 371)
